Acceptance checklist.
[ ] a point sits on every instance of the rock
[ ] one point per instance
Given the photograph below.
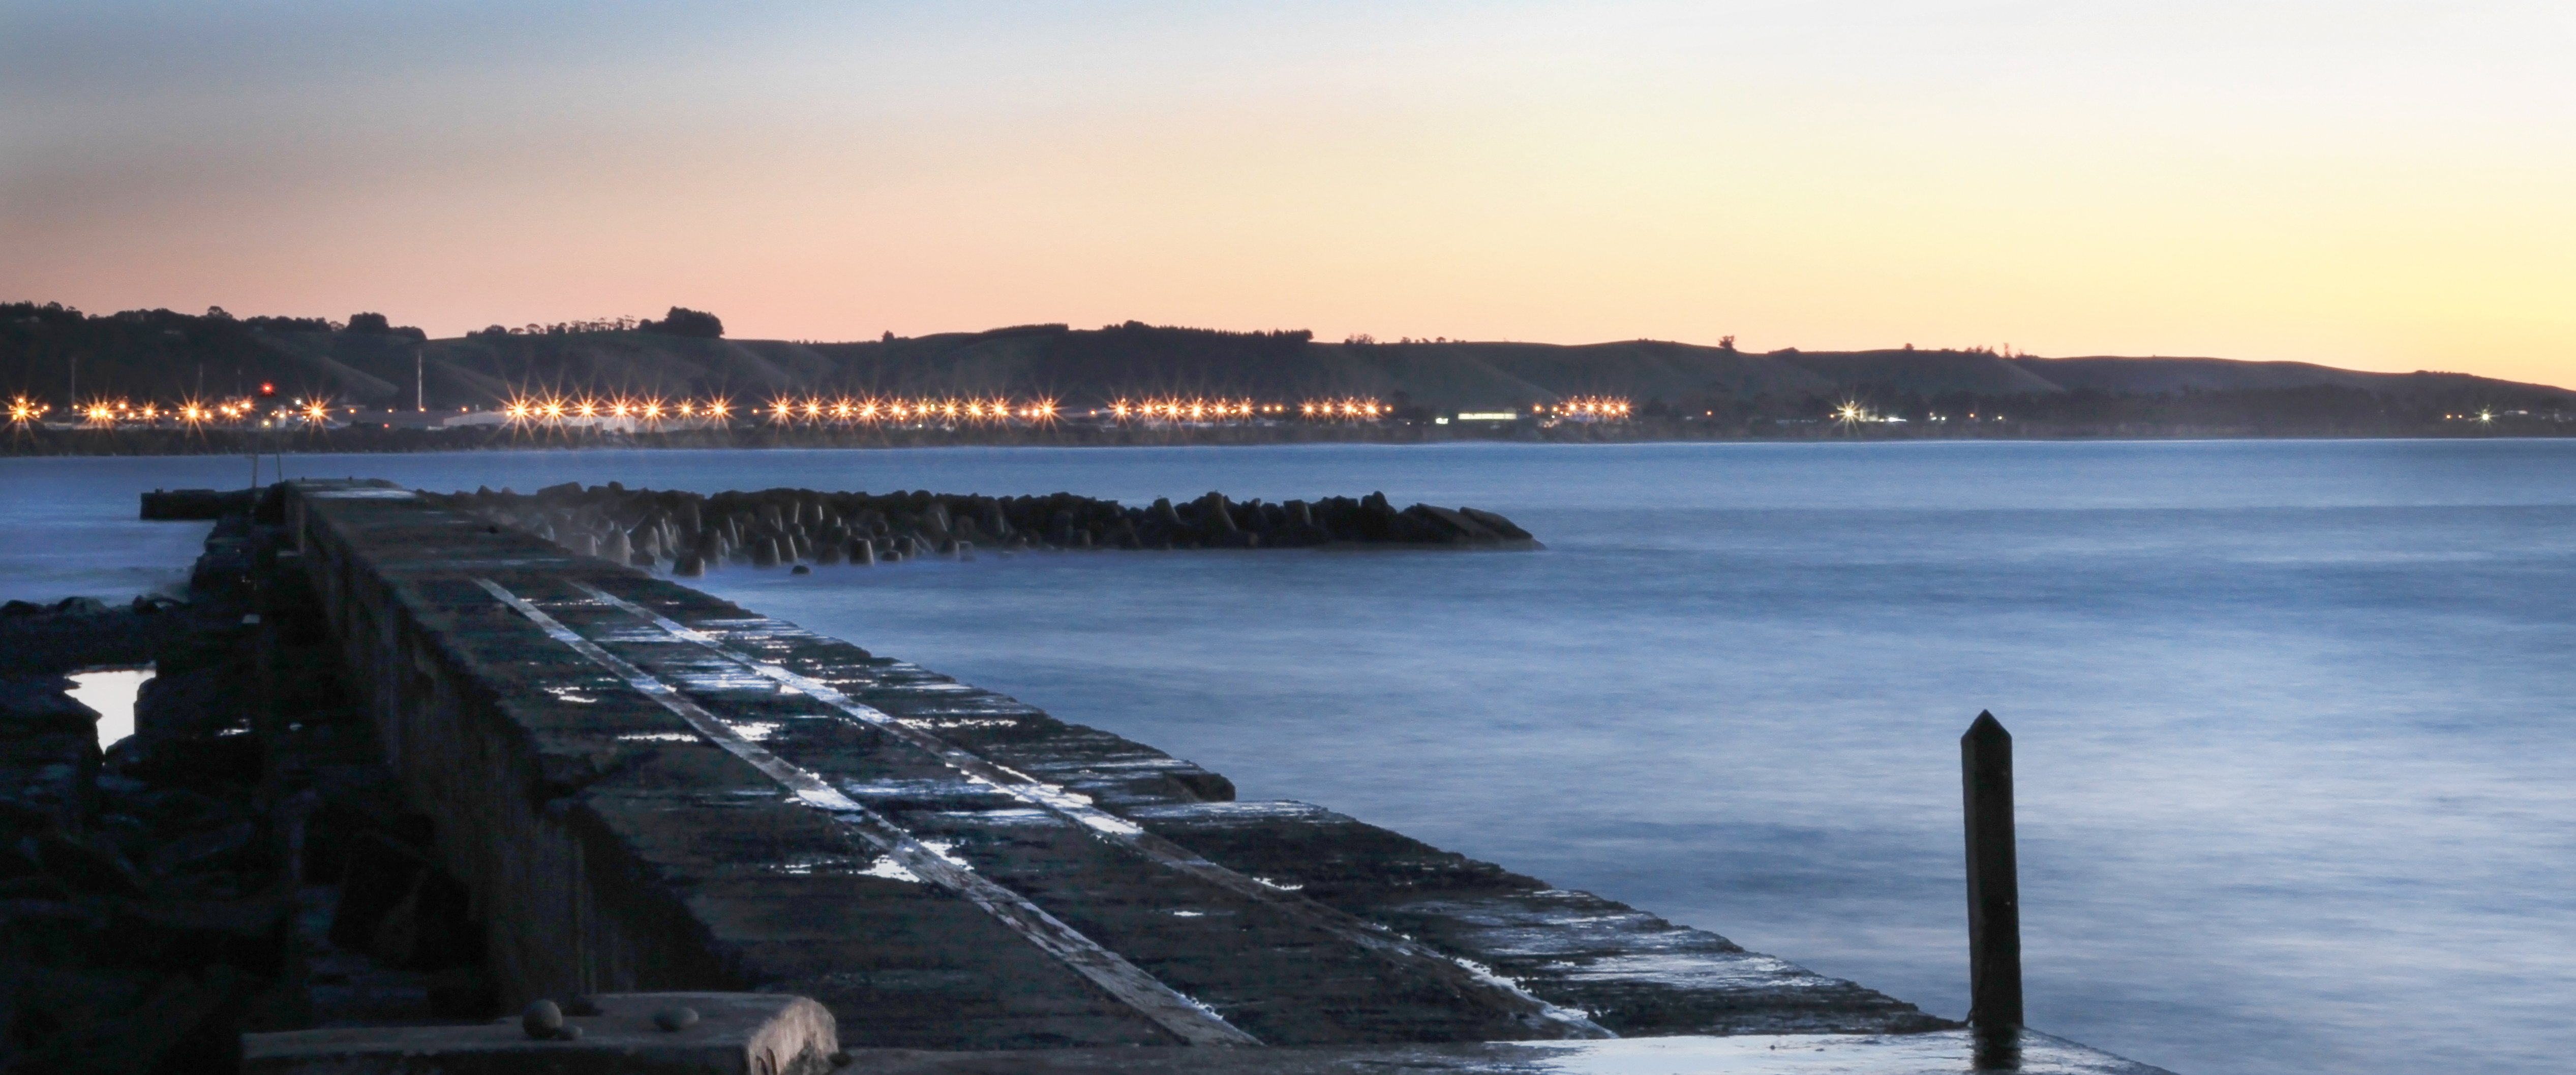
(212, 848)
(49, 778)
(785, 526)
(542, 1019)
(673, 1019)
(248, 933)
(88, 865)
(689, 566)
(195, 702)
(1497, 524)
(1215, 519)
(801, 569)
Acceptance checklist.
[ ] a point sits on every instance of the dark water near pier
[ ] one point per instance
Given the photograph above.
(2296, 720)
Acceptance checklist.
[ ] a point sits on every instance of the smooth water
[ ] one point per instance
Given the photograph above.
(111, 693)
(2292, 718)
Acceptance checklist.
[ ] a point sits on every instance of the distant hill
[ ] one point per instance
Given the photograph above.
(162, 355)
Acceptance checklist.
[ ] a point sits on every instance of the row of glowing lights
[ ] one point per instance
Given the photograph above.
(110, 412)
(1237, 410)
(846, 409)
(1588, 407)
(558, 408)
(530, 409)
(784, 409)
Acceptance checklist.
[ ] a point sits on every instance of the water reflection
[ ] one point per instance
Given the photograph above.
(111, 693)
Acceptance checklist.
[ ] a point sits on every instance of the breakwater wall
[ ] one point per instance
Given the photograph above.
(644, 788)
(688, 533)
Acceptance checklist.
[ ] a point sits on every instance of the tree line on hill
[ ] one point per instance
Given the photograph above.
(47, 350)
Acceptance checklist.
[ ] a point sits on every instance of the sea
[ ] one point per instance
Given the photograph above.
(2294, 721)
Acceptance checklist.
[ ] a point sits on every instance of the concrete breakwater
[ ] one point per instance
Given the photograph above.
(648, 788)
(689, 533)
(624, 785)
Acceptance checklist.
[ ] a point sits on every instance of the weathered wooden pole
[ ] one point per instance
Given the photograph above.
(1994, 889)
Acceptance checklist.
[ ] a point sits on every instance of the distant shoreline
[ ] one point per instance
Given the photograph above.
(360, 440)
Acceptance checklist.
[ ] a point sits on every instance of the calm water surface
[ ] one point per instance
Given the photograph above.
(2293, 719)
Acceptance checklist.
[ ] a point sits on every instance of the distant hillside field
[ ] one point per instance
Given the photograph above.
(165, 356)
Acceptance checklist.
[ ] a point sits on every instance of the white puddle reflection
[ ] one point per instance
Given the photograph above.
(111, 693)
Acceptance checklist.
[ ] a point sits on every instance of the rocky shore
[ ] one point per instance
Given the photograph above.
(242, 862)
(688, 533)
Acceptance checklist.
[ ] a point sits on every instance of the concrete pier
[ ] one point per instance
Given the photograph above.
(647, 789)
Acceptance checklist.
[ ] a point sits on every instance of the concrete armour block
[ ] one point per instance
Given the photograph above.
(735, 1034)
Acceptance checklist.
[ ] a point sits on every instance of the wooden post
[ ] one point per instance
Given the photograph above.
(1994, 889)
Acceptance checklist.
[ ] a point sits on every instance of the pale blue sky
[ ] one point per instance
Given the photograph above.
(2370, 184)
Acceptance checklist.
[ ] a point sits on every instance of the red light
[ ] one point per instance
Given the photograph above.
(267, 389)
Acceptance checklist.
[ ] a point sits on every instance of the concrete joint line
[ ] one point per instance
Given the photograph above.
(1186, 1019)
(1474, 980)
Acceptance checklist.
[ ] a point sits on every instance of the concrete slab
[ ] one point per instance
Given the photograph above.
(1936, 1053)
(735, 1034)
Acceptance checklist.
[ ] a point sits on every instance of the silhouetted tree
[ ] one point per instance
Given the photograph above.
(682, 321)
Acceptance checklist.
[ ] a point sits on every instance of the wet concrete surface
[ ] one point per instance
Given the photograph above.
(650, 788)
(1933, 1053)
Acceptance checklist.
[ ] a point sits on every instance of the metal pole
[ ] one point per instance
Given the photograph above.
(1994, 888)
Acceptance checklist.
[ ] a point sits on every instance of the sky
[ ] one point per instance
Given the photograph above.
(2372, 185)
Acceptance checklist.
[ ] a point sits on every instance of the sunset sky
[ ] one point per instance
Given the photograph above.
(2373, 185)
